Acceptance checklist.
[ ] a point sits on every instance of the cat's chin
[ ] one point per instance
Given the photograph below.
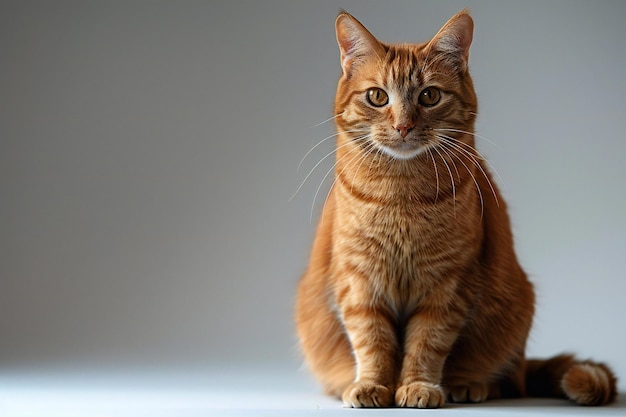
(403, 153)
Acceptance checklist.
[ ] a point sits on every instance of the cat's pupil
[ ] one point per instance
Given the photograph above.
(377, 97)
(430, 96)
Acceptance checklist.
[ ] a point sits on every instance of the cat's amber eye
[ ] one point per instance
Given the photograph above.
(377, 97)
(430, 96)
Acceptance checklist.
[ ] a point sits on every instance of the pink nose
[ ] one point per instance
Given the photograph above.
(404, 129)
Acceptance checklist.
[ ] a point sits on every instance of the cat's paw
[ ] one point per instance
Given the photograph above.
(473, 392)
(420, 395)
(367, 394)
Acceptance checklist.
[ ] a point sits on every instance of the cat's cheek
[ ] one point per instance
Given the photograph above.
(350, 116)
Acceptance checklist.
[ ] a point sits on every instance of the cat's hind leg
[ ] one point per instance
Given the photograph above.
(323, 340)
(474, 386)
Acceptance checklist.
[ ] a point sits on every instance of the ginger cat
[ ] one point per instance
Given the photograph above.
(414, 294)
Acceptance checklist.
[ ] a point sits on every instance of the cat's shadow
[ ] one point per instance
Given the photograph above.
(552, 406)
(535, 406)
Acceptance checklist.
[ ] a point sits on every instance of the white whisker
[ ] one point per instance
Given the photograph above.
(454, 141)
(469, 171)
(315, 167)
(461, 146)
(436, 173)
(378, 154)
(324, 140)
(451, 177)
(455, 144)
(458, 175)
(332, 169)
(370, 148)
(467, 133)
(327, 120)
(468, 148)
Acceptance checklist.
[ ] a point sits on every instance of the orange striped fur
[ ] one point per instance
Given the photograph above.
(414, 294)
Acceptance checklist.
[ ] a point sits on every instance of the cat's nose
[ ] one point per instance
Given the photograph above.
(404, 129)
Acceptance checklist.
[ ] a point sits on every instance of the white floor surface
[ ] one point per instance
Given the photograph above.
(227, 392)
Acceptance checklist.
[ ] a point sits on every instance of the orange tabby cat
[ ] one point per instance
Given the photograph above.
(414, 293)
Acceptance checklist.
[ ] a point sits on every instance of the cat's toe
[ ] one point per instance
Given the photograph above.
(473, 392)
(420, 395)
(367, 394)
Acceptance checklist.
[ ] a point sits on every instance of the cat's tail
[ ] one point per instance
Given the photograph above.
(585, 382)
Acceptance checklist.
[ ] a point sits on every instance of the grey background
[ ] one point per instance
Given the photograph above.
(149, 149)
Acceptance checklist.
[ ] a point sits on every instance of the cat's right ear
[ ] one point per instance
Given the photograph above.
(356, 43)
(454, 39)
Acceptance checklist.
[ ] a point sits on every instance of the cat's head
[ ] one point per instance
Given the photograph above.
(402, 99)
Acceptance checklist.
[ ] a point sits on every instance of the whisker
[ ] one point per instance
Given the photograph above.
(467, 133)
(458, 176)
(451, 177)
(332, 169)
(314, 147)
(370, 148)
(469, 151)
(469, 171)
(309, 174)
(324, 140)
(472, 157)
(315, 167)
(378, 152)
(369, 145)
(458, 142)
(436, 173)
(327, 120)
(477, 156)
(380, 159)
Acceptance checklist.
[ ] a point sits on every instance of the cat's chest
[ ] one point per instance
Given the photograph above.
(406, 254)
(399, 254)
(401, 242)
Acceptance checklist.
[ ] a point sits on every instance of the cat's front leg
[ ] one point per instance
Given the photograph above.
(429, 336)
(371, 330)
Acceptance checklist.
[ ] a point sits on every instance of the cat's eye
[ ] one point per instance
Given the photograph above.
(430, 96)
(377, 97)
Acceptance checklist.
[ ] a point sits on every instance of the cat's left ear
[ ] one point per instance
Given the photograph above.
(454, 38)
(357, 44)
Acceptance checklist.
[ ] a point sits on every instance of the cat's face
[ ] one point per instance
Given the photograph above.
(402, 100)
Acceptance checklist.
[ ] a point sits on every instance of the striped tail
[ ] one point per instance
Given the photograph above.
(584, 382)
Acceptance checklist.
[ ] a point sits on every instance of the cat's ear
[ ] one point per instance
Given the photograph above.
(356, 43)
(454, 38)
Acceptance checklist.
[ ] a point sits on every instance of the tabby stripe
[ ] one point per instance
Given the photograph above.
(353, 191)
(367, 312)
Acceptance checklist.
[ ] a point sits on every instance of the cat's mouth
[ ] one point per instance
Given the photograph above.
(403, 150)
